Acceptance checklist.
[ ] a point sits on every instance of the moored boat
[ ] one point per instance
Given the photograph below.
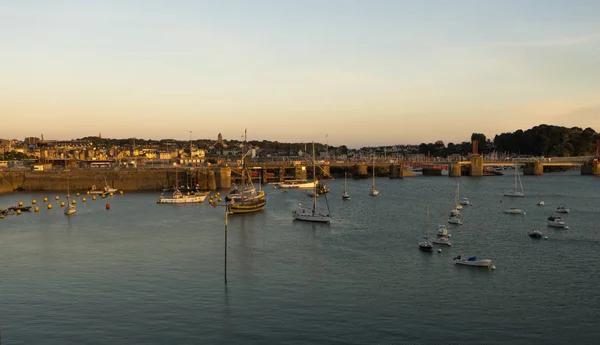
(20, 208)
(454, 220)
(473, 261)
(557, 222)
(312, 214)
(295, 184)
(425, 245)
(442, 230)
(443, 241)
(562, 209)
(514, 210)
(535, 233)
(177, 197)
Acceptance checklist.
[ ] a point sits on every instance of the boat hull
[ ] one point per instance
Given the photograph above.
(183, 200)
(308, 216)
(297, 185)
(514, 194)
(254, 206)
(478, 263)
(426, 248)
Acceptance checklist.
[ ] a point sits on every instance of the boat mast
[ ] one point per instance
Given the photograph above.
(243, 164)
(427, 221)
(516, 175)
(373, 183)
(314, 181)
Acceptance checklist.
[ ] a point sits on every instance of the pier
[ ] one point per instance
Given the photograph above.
(222, 176)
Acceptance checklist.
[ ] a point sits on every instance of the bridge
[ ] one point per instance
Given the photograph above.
(398, 168)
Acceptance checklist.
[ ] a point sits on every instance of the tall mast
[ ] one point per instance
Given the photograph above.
(314, 181)
(427, 221)
(243, 163)
(373, 184)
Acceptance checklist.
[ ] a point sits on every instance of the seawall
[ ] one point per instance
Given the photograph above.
(125, 179)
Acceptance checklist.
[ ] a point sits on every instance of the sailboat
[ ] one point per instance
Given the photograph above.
(456, 196)
(70, 208)
(374, 191)
(455, 212)
(426, 245)
(346, 195)
(245, 203)
(516, 192)
(313, 215)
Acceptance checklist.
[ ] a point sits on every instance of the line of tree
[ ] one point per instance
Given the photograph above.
(542, 140)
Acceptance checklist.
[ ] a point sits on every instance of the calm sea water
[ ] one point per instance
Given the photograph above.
(144, 273)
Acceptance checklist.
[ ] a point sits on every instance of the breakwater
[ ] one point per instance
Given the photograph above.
(124, 179)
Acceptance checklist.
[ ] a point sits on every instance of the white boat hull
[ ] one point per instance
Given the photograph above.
(298, 185)
(561, 225)
(308, 216)
(374, 192)
(455, 221)
(443, 240)
(514, 194)
(514, 211)
(184, 200)
(477, 263)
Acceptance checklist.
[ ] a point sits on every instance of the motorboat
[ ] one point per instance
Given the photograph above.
(454, 220)
(541, 203)
(454, 212)
(535, 233)
(562, 209)
(514, 210)
(465, 201)
(557, 222)
(425, 246)
(443, 241)
(442, 230)
(473, 261)
(179, 198)
(295, 184)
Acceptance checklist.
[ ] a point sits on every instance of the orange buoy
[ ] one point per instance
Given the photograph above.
(108, 206)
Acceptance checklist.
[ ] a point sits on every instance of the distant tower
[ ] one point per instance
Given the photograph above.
(42, 144)
(100, 135)
(219, 138)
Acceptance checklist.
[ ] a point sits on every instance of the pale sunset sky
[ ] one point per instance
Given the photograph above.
(364, 73)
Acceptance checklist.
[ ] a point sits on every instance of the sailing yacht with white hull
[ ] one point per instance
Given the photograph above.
(313, 215)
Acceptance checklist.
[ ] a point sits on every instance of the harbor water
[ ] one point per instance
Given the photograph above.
(144, 273)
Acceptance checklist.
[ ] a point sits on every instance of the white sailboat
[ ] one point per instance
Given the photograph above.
(516, 192)
(458, 206)
(425, 245)
(313, 215)
(70, 208)
(374, 191)
(346, 195)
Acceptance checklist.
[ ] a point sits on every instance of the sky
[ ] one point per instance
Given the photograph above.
(346, 72)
